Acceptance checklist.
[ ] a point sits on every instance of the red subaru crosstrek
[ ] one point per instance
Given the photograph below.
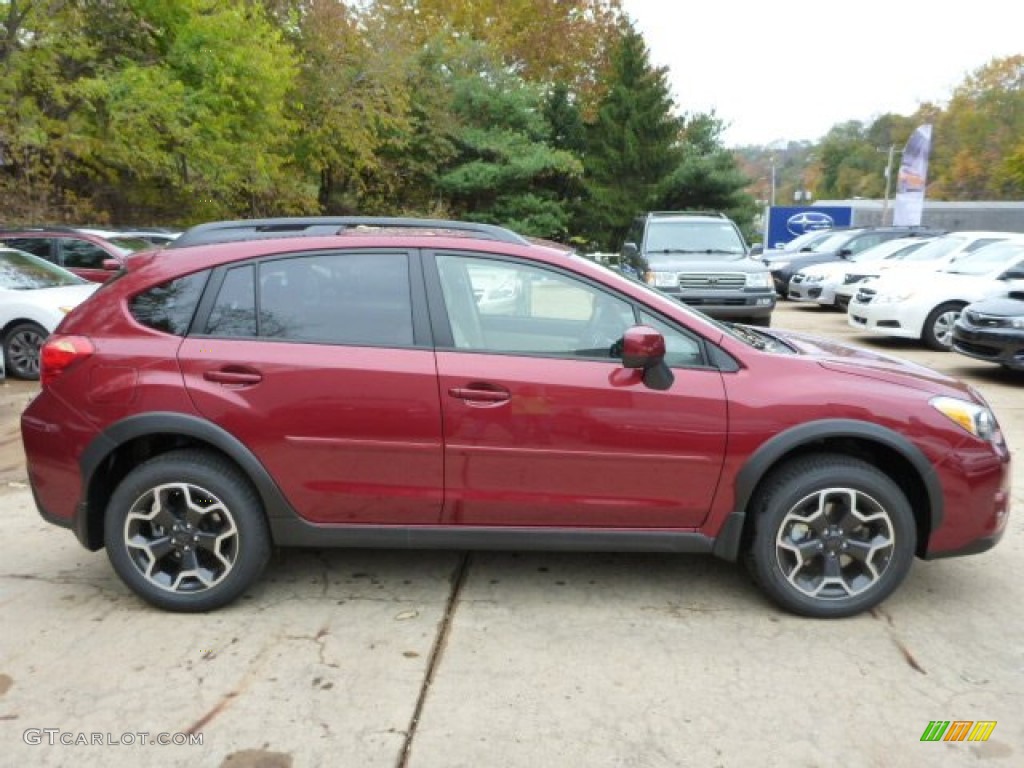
(412, 383)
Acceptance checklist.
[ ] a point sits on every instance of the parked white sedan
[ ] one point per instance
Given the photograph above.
(818, 282)
(907, 306)
(34, 296)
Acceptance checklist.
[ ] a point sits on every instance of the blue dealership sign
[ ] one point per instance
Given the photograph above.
(787, 222)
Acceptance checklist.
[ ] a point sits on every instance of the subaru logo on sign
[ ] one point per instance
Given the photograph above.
(808, 221)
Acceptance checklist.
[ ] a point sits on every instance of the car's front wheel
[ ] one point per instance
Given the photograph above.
(21, 350)
(833, 536)
(937, 332)
(186, 531)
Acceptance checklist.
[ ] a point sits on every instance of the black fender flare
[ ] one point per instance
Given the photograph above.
(727, 544)
(171, 423)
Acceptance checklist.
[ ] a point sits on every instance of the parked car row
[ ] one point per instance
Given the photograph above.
(46, 271)
(924, 288)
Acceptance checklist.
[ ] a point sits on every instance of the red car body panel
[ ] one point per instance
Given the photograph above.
(578, 444)
(352, 435)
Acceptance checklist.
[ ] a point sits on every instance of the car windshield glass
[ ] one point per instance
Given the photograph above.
(833, 242)
(20, 271)
(126, 245)
(806, 240)
(985, 260)
(691, 236)
(936, 249)
(886, 250)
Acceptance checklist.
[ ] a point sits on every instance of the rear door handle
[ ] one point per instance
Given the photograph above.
(237, 377)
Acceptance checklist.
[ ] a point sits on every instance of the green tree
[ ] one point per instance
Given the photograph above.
(632, 144)
(708, 177)
(504, 171)
(979, 135)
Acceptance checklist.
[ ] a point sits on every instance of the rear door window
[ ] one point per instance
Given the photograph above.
(324, 298)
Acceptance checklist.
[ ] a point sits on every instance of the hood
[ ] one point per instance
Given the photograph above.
(964, 287)
(64, 295)
(1001, 306)
(857, 361)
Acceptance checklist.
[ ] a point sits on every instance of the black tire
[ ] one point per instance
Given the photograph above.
(937, 332)
(21, 350)
(814, 558)
(179, 561)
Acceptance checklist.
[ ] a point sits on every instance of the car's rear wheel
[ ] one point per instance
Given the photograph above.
(833, 536)
(21, 350)
(186, 531)
(937, 332)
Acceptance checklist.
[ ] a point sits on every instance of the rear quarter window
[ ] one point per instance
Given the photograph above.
(170, 306)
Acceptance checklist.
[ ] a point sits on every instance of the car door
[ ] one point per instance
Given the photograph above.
(321, 364)
(543, 426)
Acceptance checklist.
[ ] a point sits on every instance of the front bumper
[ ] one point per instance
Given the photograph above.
(885, 319)
(727, 304)
(1003, 346)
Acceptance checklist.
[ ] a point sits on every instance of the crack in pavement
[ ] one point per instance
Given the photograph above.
(440, 643)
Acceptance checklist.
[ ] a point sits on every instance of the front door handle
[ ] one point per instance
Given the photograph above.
(484, 394)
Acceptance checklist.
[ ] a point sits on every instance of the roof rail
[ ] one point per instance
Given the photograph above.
(319, 226)
(715, 214)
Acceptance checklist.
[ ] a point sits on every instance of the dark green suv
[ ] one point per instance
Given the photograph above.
(701, 259)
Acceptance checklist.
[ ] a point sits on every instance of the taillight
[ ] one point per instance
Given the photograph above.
(59, 353)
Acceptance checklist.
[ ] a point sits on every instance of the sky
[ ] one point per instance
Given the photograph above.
(786, 70)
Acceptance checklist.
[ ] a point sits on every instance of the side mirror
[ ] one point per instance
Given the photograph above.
(629, 250)
(845, 253)
(644, 348)
(111, 265)
(757, 249)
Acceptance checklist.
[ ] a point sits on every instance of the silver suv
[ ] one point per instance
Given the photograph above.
(701, 259)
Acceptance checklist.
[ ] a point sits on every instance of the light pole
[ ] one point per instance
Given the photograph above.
(888, 180)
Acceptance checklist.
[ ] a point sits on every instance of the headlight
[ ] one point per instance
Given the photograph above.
(759, 280)
(1017, 322)
(976, 419)
(65, 310)
(663, 279)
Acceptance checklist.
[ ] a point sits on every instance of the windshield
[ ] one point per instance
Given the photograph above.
(693, 236)
(833, 242)
(126, 245)
(888, 250)
(806, 240)
(936, 249)
(985, 260)
(20, 271)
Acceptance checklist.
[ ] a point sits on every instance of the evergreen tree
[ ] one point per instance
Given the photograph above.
(632, 145)
(708, 177)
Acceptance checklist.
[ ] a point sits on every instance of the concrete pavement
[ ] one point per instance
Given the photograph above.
(443, 659)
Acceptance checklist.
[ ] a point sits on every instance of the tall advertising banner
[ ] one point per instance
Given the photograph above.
(912, 179)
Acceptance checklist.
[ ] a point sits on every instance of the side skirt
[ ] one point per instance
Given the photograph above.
(295, 533)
